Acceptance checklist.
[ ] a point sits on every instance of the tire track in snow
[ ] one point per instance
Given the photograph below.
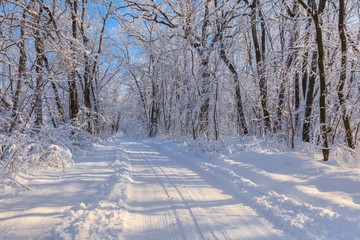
(193, 218)
(140, 218)
(216, 180)
(298, 219)
(188, 201)
(151, 164)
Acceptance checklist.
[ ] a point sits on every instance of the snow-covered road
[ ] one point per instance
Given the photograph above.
(170, 200)
(151, 189)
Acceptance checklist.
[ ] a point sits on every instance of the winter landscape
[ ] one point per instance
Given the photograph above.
(179, 119)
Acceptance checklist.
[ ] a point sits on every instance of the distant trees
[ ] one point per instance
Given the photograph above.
(200, 68)
(277, 60)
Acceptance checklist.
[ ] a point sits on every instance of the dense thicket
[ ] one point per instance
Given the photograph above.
(59, 79)
(202, 68)
(287, 69)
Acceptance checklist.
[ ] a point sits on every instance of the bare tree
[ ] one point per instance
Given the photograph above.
(315, 10)
(260, 48)
(345, 115)
(73, 99)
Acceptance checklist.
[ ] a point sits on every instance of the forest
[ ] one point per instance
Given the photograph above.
(75, 70)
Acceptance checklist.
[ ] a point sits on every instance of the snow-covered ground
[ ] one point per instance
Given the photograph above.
(154, 189)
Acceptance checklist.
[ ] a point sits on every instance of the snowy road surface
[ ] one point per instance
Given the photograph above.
(172, 201)
(148, 189)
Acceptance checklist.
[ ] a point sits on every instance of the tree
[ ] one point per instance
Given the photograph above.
(40, 51)
(315, 10)
(73, 94)
(260, 48)
(21, 69)
(345, 115)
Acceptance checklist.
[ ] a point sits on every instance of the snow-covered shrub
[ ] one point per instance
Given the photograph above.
(345, 157)
(12, 156)
(47, 147)
(48, 156)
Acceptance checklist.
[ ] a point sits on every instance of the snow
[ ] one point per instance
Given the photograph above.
(129, 188)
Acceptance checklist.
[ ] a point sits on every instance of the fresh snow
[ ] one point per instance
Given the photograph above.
(155, 189)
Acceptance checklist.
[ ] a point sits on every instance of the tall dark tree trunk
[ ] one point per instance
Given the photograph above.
(205, 74)
(260, 57)
(21, 71)
(205, 106)
(315, 10)
(323, 91)
(239, 105)
(297, 99)
(87, 71)
(73, 95)
(154, 111)
(40, 50)
(308, 83)
(215, 119)
(345, 115)
(284, 79)
(309, 96)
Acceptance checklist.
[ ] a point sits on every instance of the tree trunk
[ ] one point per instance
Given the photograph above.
(21, 71)
(260, 57)
(315, 10)
(241, 122)
(87, 87)
(345, 115)
(215, 119)
(154, 111)
(73, 98)
(204, 97)
(309, 97)
(323, 92)
(39, 49)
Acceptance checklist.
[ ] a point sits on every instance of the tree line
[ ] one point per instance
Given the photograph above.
(284, 68)
(207, 69)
